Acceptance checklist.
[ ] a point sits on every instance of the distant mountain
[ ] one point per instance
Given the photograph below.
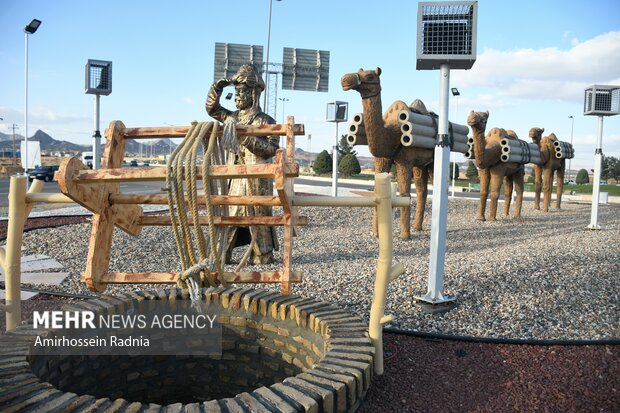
(52, 145)
(9, 137)
(49, 144)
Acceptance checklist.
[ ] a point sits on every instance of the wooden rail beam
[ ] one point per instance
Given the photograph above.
(88, 176)
(181, 131)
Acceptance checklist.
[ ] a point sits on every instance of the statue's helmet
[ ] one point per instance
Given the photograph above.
(248, 75)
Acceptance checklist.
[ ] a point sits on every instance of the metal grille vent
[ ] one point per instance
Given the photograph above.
(602, 100)
(446, 34)
(229, 57)
(98, 77)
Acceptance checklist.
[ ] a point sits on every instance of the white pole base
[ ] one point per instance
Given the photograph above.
(442, 304)
(440, 299)
(594, 226)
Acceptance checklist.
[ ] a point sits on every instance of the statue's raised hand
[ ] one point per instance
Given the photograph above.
(222, 83)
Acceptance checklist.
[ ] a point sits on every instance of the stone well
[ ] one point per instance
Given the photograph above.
(279, 354)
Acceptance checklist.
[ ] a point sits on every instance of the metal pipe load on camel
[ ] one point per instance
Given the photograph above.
(563, 150)
(418, 130)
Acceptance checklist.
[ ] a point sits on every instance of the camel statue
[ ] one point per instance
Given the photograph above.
(544, 173)
(383, 134)
(487, 154)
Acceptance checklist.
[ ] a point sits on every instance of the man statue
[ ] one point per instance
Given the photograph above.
(252, 150)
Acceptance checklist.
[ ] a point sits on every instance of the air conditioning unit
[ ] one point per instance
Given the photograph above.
(446, 34)
(602, 100)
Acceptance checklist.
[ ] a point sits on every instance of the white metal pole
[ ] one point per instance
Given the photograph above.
(26, 109)
(267, 59)
(335, 166)
(596, 186)
(439, 221)
(572, 124)
(97, 136)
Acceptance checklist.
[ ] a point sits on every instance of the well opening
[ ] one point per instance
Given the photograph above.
(277, 350)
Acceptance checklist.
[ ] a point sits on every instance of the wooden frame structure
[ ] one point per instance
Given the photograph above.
(99, 192)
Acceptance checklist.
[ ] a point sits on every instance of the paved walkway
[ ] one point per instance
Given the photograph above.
(34, 272)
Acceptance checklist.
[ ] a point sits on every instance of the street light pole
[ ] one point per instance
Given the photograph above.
(572, 124)
(455, 93)
(14, 150)
(267, 58)
(29, 29)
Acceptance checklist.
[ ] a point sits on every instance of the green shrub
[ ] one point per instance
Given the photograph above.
(349, 165)
(582, 177)
(323, 163)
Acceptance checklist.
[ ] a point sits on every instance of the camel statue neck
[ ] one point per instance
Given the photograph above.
(479, 144)
(379, 143)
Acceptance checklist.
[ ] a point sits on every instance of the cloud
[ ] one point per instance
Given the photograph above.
(42, 116)
(49, 116)
(188, 100)
(547, 72)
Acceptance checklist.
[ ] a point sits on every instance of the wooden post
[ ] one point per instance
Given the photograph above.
(12, 261)
(385, 272)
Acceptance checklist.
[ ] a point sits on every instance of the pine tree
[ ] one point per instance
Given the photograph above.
(323, 163)
(344, 148)
(472, 172)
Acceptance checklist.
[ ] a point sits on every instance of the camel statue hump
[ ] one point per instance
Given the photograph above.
(552, 137)
(418, 106)
(512, 134)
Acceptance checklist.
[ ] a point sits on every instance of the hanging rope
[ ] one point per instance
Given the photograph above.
(182, 167)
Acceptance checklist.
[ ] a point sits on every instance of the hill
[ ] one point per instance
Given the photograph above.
(49, 144)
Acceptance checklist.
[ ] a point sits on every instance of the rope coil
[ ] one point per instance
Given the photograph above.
(182, 167)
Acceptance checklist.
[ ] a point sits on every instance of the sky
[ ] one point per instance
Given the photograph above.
(534, 60)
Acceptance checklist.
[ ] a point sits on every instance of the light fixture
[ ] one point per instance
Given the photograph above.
(455, 92)
(33, 26)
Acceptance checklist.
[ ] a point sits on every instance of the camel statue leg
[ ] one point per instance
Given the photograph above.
(507, 195)
(519, 180)
(547, 188)
(381, 165)
(403, 172)
(420, 177)
(558, 200)
(496, 183)
(485, 178)
(537, 183)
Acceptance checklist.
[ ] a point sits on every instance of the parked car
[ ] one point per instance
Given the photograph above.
(133, 163)
(43, 172)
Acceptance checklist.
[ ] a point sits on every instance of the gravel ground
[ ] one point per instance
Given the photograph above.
(555, 281)
(543, 276)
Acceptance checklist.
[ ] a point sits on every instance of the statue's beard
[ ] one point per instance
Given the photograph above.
(243, 104)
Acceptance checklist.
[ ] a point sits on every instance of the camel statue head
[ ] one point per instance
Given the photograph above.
(478, 119)
(366, 82)
(536, 135)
